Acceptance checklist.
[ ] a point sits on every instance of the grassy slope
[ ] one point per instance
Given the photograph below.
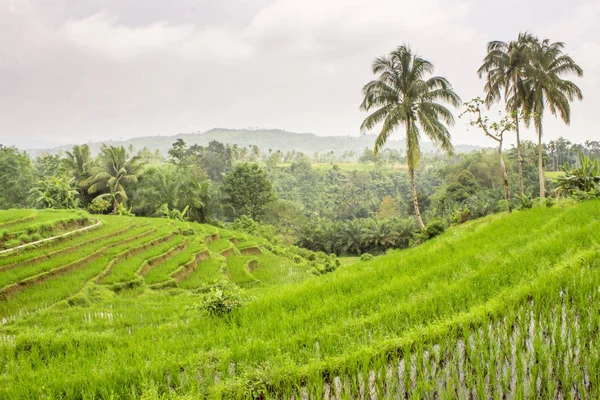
(350, 323)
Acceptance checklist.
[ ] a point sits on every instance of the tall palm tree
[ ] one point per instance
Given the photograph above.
(546, 88)
(405, 95)
(114, 169)
(77, 164)
(505, 66)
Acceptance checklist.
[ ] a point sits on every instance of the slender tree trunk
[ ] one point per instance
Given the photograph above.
(519, 154)
(541, 161)
(504, 177)
(411, 173)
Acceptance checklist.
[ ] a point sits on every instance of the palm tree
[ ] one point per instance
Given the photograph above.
(114, 169)
(353, 236)
(505, 66)
(380, 235)
(403, 94)
(545, 88)
(77, 164)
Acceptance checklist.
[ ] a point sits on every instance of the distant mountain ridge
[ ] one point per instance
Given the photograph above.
(274, 139)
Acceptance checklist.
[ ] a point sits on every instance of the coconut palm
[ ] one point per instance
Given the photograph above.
(506, 66)
(77, 162)
(405, 95)
(546, 88)
(114, 169)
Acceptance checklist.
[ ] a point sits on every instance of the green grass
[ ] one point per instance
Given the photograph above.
(348, 260)
(207, 272)
(219, 245)
(162, 272)
(126, 269)
(529, 278)
(554, 175)
(238, 270)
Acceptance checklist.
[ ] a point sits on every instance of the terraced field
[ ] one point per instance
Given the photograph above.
(504, 307)
(113, 252)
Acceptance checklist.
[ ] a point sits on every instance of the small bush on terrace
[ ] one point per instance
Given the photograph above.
(220, 298)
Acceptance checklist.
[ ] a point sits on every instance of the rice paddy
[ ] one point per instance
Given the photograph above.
(503, 307)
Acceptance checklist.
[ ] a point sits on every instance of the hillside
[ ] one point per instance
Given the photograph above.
(273, 139)
(502, 306)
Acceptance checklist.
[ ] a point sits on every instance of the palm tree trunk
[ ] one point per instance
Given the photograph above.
(504, 177)
(541, 161)
(411, 173)
(519, 154)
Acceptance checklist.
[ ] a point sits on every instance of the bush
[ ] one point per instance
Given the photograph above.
(221, 298)
(24, 238)
(245, 224)
(98, 205)
(549, 202)
(366, 257)
(433, 229)
(187, 232)
(462, 216)
(526, 201)
(12, 243)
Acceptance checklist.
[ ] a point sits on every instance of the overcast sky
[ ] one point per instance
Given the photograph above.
(72, 71)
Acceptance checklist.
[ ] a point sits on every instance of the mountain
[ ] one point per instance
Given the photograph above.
(274, 139)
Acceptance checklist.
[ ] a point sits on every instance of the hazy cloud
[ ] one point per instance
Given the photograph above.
(74, 71)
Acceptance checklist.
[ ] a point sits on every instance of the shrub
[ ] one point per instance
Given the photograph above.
(12, 243)
(433, 229)
(98, 205)
(188, 232)
(462, 216)
(24, 238)
(549, 202)
(525, 201)
(366, 257)
(220, 298)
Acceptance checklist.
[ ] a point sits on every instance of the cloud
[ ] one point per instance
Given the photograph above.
(102, 33)
(343, 27)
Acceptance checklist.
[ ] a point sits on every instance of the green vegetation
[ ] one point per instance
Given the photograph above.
(463, 289)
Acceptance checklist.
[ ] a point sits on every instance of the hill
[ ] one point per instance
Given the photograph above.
(273, 139)
(506, 306)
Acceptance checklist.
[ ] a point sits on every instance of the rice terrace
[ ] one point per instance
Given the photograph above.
(111, 312)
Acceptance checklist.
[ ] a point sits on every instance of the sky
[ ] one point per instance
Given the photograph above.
(73, 71)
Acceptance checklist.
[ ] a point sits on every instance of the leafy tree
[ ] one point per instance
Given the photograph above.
(114, 170)
(389, 208)
(404, 95)
(546, 88)
(495, 131)
(57, 192)
(506, 66)
(16, 177)
(247, 190)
